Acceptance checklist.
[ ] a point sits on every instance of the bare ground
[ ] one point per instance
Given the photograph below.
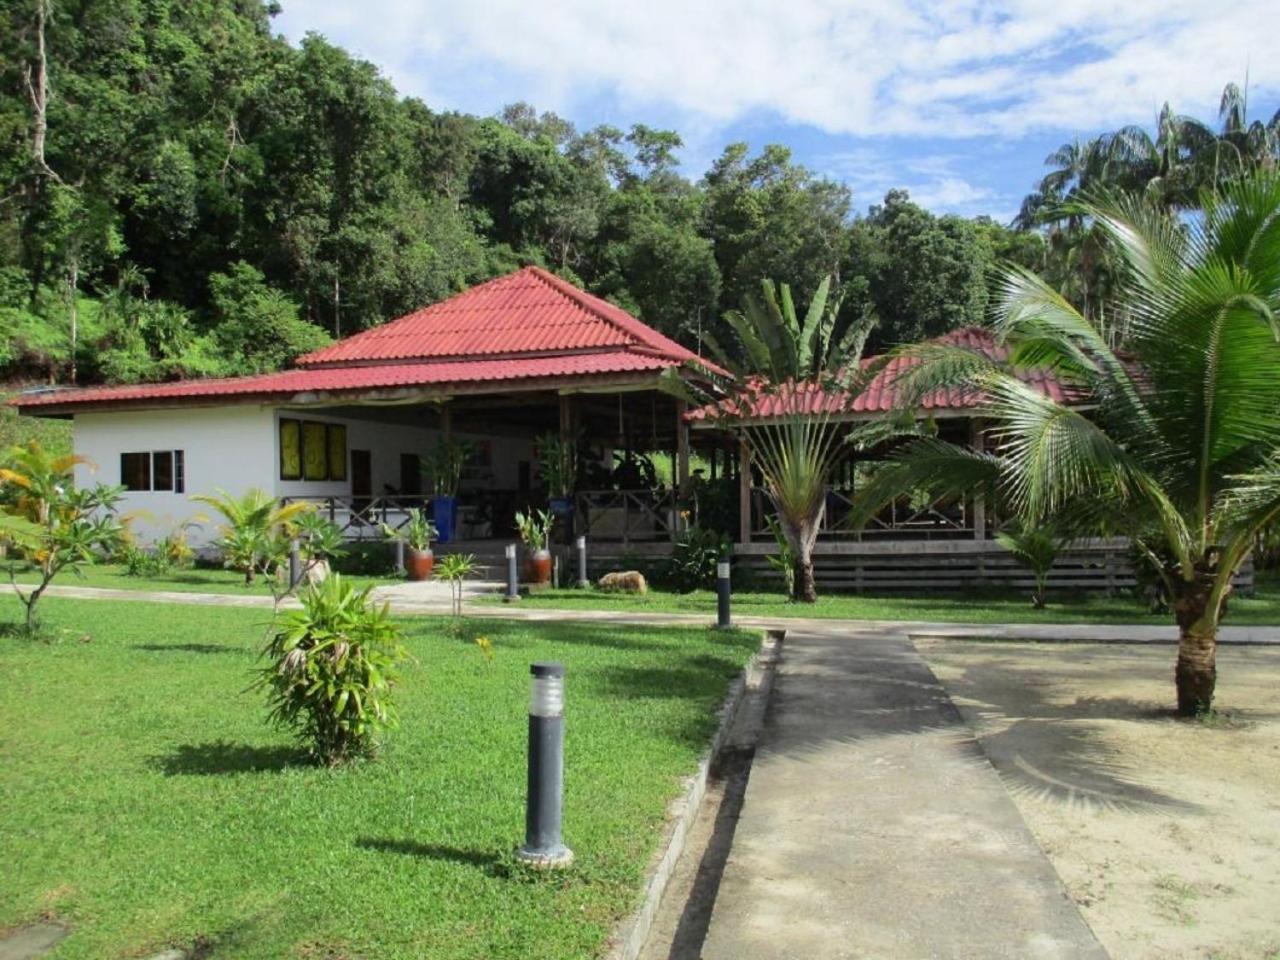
(1165, 832)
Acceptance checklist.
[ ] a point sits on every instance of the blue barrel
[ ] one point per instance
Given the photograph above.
(444, 514)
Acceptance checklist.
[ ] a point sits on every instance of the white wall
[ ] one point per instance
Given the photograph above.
(234, 448)
(386, 442)
(228, 448)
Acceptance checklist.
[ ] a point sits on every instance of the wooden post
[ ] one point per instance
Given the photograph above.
(566, 418)
(682, 446)
(744, 492)
(979, 499)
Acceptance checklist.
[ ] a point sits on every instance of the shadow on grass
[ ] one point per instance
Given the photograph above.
(218, 757)
(696, 677)
(187, 648)
(485, 860)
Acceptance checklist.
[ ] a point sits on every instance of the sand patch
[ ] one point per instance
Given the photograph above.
(1166, 833)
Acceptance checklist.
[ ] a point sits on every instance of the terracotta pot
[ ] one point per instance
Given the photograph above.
(418, 563)
(537, 567)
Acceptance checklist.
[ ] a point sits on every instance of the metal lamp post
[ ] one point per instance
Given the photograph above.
(543, 846)
(722, 595)
(513, 578)
(583, 582)
(295, 564)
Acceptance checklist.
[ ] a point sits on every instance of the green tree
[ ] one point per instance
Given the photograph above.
(49, 523)
(1181, 445)
(257, 325)
(924, 275)
(788, 361)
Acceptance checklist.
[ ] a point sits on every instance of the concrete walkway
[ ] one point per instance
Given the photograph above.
(874, 827)
(432, 598)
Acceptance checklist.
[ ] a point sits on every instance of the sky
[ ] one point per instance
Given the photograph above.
(958, 101)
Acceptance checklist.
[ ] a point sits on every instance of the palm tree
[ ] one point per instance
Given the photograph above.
(807, 376)
(1181, 446)
(255, 522)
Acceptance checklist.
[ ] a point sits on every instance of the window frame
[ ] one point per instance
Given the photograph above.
(157, 456)
(314, 451)
(147, 461)
(144, 458)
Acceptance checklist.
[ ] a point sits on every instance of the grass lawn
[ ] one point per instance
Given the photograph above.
(147, 804)
(195, 580)
(972, 607)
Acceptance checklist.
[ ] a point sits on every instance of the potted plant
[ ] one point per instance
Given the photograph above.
(535, 528)
(417, 535)
(443, 467)
(558, 460)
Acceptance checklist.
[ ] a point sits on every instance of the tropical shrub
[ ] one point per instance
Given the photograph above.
(1036, 547)
(256, 531)
(535, 528)
(319, 538)
(331, 671)
(454, 569)
(417, 533)
(558, 461)
(444, 464)
(692, 564)
(51, 524)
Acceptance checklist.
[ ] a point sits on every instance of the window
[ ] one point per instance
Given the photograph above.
(161, 470)
(290, 449)
(135, 471)
(337, 440)
(312, 450)
(315, 451)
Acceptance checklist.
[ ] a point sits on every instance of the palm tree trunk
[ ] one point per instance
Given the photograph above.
(1196, 673)
(803, 586)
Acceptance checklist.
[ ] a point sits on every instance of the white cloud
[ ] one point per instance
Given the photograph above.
(935, 182)
(869, 68)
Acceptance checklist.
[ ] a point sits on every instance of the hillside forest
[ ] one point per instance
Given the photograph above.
(185, 193)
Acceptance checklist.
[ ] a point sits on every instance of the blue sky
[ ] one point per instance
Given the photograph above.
(959, 102)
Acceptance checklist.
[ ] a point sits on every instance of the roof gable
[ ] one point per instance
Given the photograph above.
(529, 312)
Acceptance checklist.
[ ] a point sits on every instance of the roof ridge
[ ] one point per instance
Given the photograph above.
(633, 327)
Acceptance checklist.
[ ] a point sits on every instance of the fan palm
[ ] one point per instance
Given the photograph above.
(808, 375)
(1181, 446)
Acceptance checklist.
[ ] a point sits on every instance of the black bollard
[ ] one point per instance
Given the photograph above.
(399, 556)
(513, 578)
(722, 595)
(583, 582)
(295, 564)
(543, 846)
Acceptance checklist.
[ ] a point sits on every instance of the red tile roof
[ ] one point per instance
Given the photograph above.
(881, 395)
(529, 311)
(290, 383)
(527, 326)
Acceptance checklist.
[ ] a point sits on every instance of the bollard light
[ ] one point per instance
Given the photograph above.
(544, 806)
(295, 564)
(399, 555)
(722, 595)
(583, 582)
(513, 579)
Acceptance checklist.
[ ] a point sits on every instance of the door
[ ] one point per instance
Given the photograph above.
(361, 480)
(410, 475)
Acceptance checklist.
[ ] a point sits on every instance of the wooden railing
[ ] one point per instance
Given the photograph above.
(626, 515)
(361, 518)
(942, 519)
(603, 515)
